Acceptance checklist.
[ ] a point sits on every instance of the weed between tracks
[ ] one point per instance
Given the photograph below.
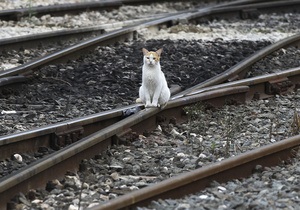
(210, 135)
(223, 131)
(211, 119)
(295, 125)
(31, 12)
(232, 129)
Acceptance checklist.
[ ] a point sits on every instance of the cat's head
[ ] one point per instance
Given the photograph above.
(151, 58)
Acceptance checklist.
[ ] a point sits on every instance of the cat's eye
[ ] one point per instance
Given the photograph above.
(147, 57)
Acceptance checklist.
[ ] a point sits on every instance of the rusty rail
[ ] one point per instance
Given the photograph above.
(240, 69)
(82, 127)
(15, 14)
(34, 40)
(264, 86)
(236, 167)
(128, 32)
(252, 10)
(61, 134)
(111, 124)
(68, 158)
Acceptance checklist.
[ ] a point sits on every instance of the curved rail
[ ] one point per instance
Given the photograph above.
(57, 135)
(14, 14)
(83, 126)
(69, 157)
(236, 167)
(31, 41)
(253, 9)
(85, 45)
(262, 86)
(241, 68)
(124, 33)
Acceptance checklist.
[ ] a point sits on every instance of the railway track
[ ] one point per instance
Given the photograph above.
(130, 31)
(85, 137)
(48, 59)
(63, 35)
(39, 63)
(244, 89)
(83, 31)
(58, 9)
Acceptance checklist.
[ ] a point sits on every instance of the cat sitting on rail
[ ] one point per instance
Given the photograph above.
(154, 91)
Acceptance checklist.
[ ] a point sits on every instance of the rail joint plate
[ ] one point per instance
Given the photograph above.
(278, 86)
(63, 138)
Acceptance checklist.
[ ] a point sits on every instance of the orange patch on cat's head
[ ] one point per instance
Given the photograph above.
(156, 55)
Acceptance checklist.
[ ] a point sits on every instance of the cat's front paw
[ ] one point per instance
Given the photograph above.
(147, 105)
(151, 105)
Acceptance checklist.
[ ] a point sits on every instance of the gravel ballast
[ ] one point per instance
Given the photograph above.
(105, 19)
(271, 27)
(268, 188)
(61, 91)
(109, 77)
(177, 148)
(32, 24)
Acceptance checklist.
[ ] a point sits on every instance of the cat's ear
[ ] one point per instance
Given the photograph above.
(159, 51)
(145, 51)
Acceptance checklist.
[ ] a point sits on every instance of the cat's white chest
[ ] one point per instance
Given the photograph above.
(151, 76)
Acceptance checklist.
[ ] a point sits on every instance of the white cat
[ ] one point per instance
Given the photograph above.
(154, 91)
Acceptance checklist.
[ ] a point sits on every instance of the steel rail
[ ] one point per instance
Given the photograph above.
(236, 167)
(55, 165)
(30, 41)
(251, 10)
(85, 45)
(15, 14)
(263, 86)
(97, 138)
(31, 140)
(12, 80)
(103, 138)
(9, 144)
(8, 148)
(63, 133)
(56, 130)
(69, 157)
(87, 125)
(241, 68)
(127, 32)
(84, 125)
(33, 40)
